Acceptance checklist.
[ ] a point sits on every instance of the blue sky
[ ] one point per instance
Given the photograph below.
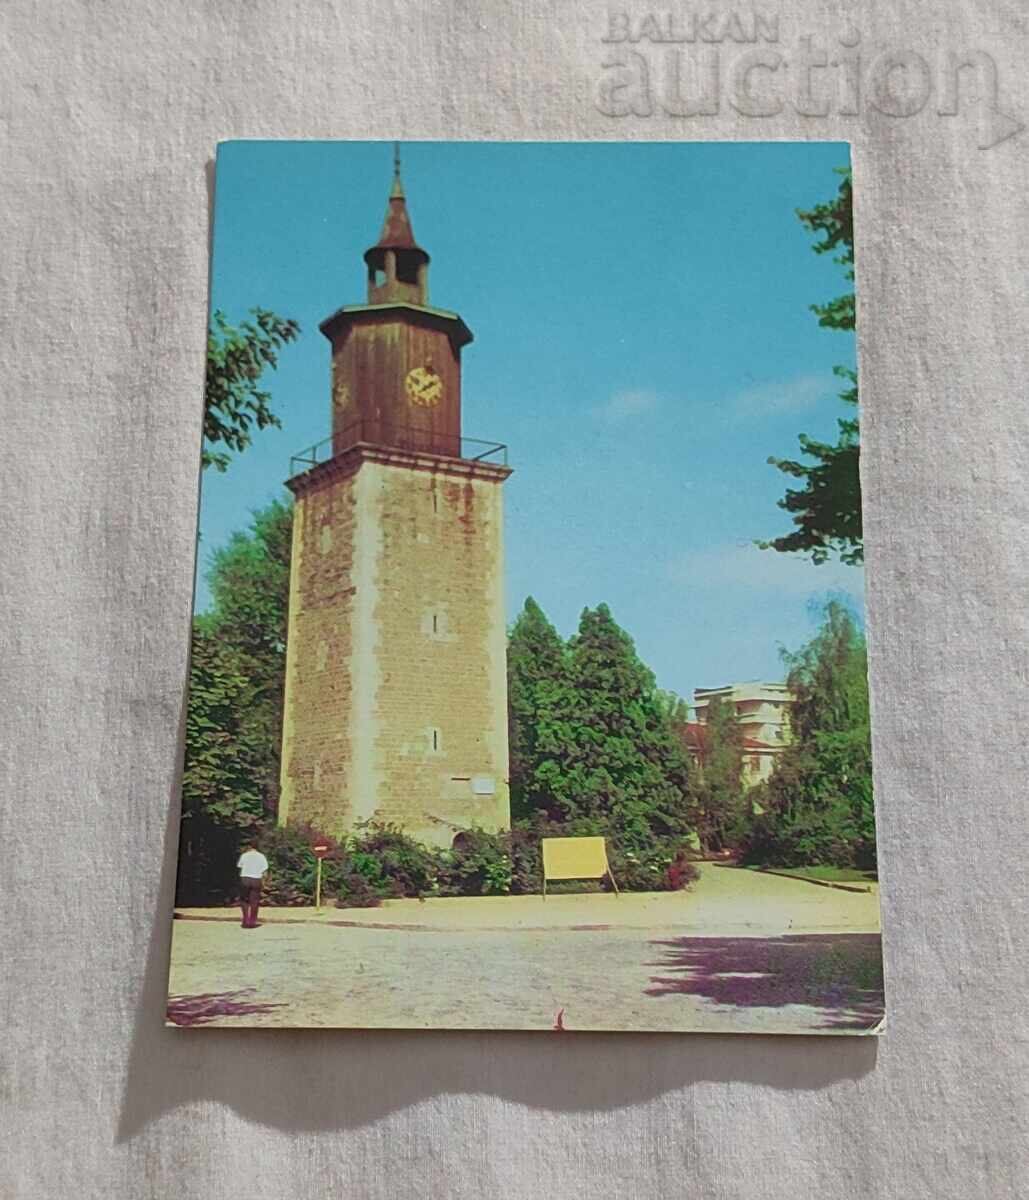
(643, 343)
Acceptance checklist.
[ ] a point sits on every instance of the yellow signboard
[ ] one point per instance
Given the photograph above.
(575, 858)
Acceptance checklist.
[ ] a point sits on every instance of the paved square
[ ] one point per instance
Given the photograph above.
(740, 952)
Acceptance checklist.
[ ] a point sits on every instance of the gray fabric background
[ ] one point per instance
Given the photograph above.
(109, 113)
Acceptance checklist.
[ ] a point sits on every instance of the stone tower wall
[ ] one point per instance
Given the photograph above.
(441, 703)
(396, 700)
(317, 746)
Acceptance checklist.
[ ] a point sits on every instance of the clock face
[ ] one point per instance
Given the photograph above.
(424, 387)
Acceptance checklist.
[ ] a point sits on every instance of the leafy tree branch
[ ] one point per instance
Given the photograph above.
(826, 507)
(237, 357)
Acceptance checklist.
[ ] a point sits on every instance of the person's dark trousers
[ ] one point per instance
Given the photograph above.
(249, 901)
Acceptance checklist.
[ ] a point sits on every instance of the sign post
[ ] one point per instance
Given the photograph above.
(320, 850)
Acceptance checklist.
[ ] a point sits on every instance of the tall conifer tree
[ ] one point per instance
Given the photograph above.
(609, 754)
(536, 678)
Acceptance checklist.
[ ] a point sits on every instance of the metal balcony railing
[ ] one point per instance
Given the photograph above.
(396, 437)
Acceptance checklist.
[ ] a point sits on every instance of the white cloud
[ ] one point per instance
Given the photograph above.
(746, 566)
(786, 395)
(626, 405)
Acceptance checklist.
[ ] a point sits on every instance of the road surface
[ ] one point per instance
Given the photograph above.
(740, 952)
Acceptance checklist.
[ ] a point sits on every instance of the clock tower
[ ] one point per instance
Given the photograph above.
(396, 683)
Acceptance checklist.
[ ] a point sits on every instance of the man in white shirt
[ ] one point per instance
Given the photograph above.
(253, 866)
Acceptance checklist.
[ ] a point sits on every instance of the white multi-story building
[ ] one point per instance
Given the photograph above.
(763, 711)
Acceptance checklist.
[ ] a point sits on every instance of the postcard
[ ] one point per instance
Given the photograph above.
(528, 682)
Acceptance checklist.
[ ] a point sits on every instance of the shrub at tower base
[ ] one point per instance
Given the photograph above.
(380, 862)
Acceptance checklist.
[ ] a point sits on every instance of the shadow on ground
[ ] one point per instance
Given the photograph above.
(198, 1010)
(838, 973)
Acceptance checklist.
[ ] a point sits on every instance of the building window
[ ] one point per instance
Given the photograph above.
(435, 625)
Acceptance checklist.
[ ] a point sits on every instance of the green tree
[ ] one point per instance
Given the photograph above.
(826, 506)
(237, 357)
(720, 791)
(673, 706)
(608, 752)
(818, 800)
(536, 677)
(249, 582)
(221, 796)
